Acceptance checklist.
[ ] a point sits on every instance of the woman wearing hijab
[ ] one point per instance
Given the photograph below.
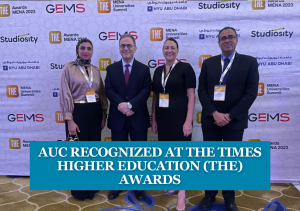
(82, 101)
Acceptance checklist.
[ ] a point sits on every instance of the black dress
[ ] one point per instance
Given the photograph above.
(170, 120)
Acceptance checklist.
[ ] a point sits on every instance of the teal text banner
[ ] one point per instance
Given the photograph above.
(118, 165)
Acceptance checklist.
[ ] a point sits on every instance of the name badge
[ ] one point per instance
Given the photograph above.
(164, 100)
(219, 93)
(91, 96)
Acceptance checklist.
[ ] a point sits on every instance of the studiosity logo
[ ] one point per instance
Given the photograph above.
(219, 5)
(19, 38)
(273, 33)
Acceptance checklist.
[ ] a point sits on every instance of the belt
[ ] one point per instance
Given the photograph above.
(84, 101)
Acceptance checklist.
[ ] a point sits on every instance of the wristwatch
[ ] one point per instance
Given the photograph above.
(129, 105)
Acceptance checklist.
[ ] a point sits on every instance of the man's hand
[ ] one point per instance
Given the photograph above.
(130, 113)
(123, 108)
(221, 119)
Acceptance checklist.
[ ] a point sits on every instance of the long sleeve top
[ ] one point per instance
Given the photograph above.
(73, 87)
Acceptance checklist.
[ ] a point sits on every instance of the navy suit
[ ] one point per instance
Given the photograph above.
(136, 92)
(241, 91)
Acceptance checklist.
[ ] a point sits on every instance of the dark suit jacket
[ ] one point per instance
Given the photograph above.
(137, 92)
(241, 89)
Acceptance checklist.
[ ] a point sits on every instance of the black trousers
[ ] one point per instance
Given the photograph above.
(129, 130)
(88, 117)
(221, 134)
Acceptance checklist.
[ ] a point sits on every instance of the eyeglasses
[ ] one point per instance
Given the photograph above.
(230, 38)
(129, 46)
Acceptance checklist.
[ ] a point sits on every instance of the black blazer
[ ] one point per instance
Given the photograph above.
(137, 92)
(241, 89)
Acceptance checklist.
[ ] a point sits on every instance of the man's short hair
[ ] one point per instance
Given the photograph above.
(127, 35)
(227, 27)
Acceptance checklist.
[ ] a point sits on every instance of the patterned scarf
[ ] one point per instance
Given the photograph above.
(80, 61)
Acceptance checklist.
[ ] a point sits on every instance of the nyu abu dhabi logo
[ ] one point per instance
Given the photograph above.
(4, 10)
(64, 8)
(115, 35)
(272, 33)
(219, 5)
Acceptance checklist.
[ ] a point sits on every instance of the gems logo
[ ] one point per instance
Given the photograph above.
(55, 37)
(266, 117)
(25, 117)
(115, 35)
(103, 63)
(4, 10)
(104, 6)
(107, 138)
(14, 143)
(12, 91)
(19, 38)
(272, 33)
(63, 8)
(156, 34)
(254, 140)
(152, 63)
(261, 89)
(198, 117)
(258, 4)
(59, 117)
(219, 5)
(202, 58)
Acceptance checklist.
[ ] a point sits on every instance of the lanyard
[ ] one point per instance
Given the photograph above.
(227, 68)
(164, 82)
(90, 82)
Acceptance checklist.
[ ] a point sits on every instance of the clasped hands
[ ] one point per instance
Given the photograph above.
(221, 119)
(123, 108)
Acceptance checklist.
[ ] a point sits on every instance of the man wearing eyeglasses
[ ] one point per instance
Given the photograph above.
(228, 85)
(127, 86)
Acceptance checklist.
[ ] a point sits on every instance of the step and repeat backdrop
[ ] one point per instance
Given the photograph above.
(38, 37)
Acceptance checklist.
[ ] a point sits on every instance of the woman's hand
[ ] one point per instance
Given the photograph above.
(73, 127)
(187, 129)
(154, 125)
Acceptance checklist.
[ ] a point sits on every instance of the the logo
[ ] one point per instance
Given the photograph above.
(272, 33)
(55, 37)
(19, 38)
(59, 117)
(4, 10)
(115, 35)
(266, 117)
(202, 58)
(152, 63)
(56, 66)
(103, 63)
(14, 143)
(25, 117)
(107, 138)
(12, 91)
(254, 140)
(261, 89)
(219, 5)
(63, 8)
(258, 4)
(198, 117)
(156, 34)
(150, 9)
(104, 6)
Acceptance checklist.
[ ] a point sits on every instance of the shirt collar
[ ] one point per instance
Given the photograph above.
(124, 63)
(229, 57)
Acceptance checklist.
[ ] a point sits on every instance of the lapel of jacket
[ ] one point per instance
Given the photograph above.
(133, 75)
(120, 74)
(234, 70)
(217, 70)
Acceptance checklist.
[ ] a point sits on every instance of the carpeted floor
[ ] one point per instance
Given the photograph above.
(16, 196)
